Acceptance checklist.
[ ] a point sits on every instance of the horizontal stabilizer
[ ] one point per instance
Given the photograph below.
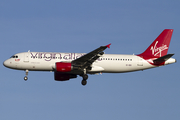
(163, 58)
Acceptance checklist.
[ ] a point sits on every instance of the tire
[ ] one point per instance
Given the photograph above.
(84, 82)
(25, 78)
(85, 77)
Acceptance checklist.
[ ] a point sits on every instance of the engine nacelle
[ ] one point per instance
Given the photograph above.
(63, 76)
(63, 67)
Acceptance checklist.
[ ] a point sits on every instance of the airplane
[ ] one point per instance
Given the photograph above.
(69, 65)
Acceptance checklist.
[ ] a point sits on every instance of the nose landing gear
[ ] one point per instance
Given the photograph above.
(26, 78)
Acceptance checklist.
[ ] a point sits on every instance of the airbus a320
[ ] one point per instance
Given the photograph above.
(69, 65)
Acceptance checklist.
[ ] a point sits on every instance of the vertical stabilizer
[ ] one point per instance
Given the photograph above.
(160, 45)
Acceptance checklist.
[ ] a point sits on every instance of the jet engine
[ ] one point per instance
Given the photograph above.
(63, 67)
(63, 76)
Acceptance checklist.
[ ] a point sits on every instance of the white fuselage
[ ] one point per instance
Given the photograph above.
(68, 65)
(107, 63)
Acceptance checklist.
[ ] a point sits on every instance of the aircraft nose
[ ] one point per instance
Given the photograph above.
(6, 63)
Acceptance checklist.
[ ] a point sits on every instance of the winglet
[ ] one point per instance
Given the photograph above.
(108, 45)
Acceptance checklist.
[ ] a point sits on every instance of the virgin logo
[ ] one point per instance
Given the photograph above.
(157, 50)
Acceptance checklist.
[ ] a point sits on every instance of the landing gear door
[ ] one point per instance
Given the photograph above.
(26, 57)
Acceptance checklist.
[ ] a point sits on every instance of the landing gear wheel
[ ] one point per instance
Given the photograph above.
(84, 82)
(85, 77)
(25, 78)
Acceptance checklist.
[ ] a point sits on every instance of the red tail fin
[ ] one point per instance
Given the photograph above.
(160, 45)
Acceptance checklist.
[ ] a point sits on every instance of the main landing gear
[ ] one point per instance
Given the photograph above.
(26, 78)
(84, 81)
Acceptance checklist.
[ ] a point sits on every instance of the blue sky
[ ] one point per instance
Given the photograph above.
(82, 26)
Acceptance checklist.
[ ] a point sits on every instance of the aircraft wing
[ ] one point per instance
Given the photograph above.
(86, 60)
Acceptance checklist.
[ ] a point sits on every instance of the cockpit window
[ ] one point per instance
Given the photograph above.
(14, 56)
